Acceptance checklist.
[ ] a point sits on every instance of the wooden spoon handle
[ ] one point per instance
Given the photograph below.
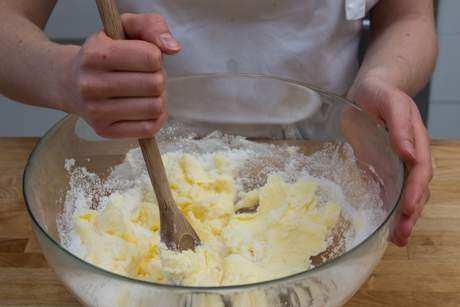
(157, 174)
(176, 231)
(111, 19)
(114, 29)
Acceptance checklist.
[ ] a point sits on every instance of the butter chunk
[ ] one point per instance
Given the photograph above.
(147, 215)
(250, 200)
(111, 220)
(192, 268)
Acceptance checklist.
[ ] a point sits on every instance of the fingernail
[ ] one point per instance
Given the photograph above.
(411, 149)
(169, 41)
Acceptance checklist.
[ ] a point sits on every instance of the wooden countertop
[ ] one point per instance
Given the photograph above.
(425, 273)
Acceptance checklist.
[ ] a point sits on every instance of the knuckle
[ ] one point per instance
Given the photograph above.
(407, 231)
(153, 19)
(161, 82)
(93, 111)
(428, 194)
(157, 107)
(101, 130)
(431, 173)
(153, 59)
(156, 84)
(93, 55)
(149, 129)
(89, 56)
(85, 87)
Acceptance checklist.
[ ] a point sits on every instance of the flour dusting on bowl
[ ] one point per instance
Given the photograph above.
(263, 211)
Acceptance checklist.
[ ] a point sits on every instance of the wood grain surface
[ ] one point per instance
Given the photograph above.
(425, 273)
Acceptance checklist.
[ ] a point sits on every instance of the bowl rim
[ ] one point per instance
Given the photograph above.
(209, 289)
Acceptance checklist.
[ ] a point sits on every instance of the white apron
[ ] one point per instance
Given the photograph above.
(312, 41)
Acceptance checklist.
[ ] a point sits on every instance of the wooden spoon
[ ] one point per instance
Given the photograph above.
(175, 230)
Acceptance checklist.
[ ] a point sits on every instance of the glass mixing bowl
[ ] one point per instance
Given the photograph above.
(256, 107)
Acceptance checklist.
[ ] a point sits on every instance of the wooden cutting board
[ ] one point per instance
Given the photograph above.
(425, 273)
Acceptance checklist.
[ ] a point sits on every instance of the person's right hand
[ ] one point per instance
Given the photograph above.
(118, 86)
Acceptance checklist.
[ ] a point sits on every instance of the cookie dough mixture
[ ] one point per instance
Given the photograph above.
(115, 223)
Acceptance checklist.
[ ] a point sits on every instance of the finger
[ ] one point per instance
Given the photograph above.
(399, 241)
(118, 55)
(420, 171)
(122, 84)
(406, 223)
(126, 109)
(151, 28)
(132, 129)
(416, 185)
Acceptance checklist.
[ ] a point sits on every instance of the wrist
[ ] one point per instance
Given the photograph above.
(62, 91)
(378, 74)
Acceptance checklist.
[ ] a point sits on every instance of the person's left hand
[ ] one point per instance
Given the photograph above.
(391, 108)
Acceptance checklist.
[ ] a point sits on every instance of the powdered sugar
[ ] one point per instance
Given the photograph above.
(333, 168)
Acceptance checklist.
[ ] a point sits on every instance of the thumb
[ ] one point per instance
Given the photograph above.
(151, 28)
(399, 123)
(391, 108)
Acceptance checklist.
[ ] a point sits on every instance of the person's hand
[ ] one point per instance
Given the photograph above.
(409, 139)
(118, 86)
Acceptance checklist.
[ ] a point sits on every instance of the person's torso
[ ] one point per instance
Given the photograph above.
(310, 41)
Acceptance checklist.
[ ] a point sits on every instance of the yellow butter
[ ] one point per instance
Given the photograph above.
(237, 249)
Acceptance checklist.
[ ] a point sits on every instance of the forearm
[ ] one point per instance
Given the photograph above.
(403, 46)
(33, 69)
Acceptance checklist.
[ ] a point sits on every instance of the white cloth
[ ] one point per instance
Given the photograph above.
(312, 41)
(355, 9)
